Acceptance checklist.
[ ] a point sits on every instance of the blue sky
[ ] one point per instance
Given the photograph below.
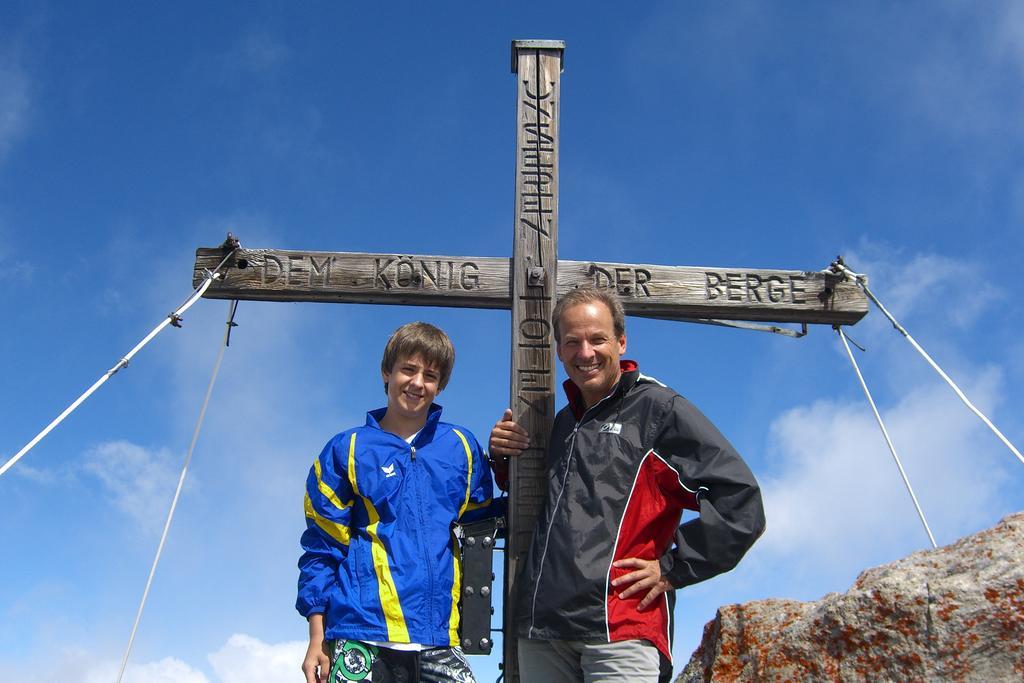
(771, 135)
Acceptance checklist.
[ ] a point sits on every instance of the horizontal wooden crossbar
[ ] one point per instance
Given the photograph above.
(652, 291)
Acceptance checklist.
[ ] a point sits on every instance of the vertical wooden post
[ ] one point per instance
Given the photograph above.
(537, 65)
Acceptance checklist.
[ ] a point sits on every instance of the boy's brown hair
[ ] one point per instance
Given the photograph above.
(420, 339)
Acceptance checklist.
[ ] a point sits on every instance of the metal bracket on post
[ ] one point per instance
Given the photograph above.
(478, 541)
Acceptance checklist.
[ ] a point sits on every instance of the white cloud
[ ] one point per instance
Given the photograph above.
(43, 477)
(678, 39)
(137, 480)
(242, 659)
(245, 659)
(166, 670)
(258, 51)
(14, 103)
(961, 80)
(12, 268)
(836, 498)
(923, 286)
(1008, 41)
(78, 665)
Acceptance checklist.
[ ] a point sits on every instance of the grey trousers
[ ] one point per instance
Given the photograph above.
(574, 661)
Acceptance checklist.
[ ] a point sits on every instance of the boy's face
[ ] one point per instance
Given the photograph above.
(412, 386)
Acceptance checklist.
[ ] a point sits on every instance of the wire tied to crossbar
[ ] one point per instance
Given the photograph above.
(177, 491)
(840, 268)
(171, 319)
(885, 433)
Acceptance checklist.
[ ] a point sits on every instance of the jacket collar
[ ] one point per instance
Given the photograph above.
(630, 372)
(426, 434)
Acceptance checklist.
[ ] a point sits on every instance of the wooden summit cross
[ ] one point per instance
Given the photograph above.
(528, 284)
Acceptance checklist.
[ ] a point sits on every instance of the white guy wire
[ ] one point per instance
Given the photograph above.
(885, 433)
(177, 491)
(859, 279)
(171, 317)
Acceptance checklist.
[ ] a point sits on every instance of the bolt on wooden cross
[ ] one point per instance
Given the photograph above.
(528, 284)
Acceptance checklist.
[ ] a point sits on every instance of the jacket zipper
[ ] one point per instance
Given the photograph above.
(419, 539)
(551, 521)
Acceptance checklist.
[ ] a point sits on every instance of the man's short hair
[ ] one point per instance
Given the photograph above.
(420, 339)
(586, 295)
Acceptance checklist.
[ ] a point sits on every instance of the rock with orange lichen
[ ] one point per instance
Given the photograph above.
(951, 614)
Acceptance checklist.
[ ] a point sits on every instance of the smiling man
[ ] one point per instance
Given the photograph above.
(627, 455)
(379, 576)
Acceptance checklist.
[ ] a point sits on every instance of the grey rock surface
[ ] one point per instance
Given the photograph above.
(951, 614)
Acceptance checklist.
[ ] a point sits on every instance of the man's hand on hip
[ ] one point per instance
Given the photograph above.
(645, 577)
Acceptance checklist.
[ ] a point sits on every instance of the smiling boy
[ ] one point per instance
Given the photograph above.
(380, 577)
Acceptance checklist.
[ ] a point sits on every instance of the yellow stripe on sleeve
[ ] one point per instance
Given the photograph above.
(339, 532)
(469, 470)
(469, 505)
(326, 490)
(397, 630)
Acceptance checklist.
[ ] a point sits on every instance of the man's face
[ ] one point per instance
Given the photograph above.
(589, 349)
(412, 386)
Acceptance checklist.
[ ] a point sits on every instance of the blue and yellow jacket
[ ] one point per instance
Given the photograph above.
(381, 560)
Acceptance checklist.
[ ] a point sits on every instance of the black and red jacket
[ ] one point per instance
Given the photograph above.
(619, 476)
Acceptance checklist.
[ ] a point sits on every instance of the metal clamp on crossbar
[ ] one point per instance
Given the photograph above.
(840, 269)
(478, 541)
(231, 242)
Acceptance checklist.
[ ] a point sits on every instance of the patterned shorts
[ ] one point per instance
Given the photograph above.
(353, 660)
